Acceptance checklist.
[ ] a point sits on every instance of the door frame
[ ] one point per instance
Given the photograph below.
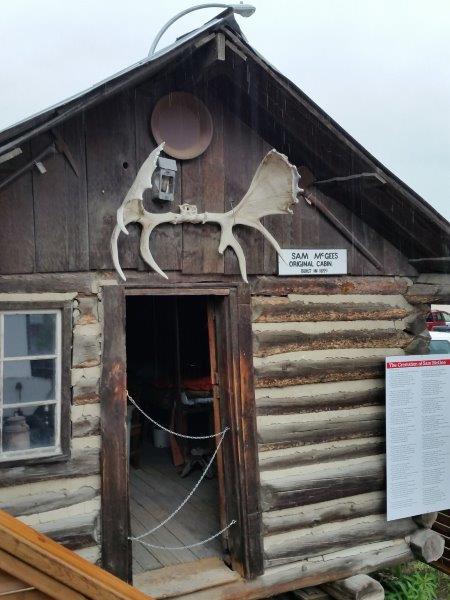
(238, 411)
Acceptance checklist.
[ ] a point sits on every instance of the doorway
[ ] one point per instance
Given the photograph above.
(170, 350)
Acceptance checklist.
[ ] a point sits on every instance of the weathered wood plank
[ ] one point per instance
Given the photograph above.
(339, 509)
(60, 204)
(45, 555)
(109, 176)
(285, 488)
(17, 250)
(282, 286)
(173, 581)
(300, 544)
(203, 182)
(166, 239)
(116, 554)
(37, 579)
(244, 150)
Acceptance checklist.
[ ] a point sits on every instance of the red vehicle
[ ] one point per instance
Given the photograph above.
(437, 318)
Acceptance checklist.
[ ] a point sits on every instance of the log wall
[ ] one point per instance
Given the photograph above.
(319, 348)
(62, 499)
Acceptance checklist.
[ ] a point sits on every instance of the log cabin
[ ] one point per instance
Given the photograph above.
(279, 378)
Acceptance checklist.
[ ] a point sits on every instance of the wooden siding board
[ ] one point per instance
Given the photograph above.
(166, 239)
(17, 250)
(203, 185)
(244, 150)
(111, 169)
(60, 204)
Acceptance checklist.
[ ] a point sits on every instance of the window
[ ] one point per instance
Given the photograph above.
(31, 384)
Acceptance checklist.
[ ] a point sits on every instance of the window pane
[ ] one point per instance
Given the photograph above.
(28, 380)
(29, 334)
(29, 427)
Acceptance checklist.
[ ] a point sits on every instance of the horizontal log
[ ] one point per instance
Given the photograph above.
(338, 307)
(358, 587)
(317, 397)
(310, 515)
(297, 486)
(281, 458)
(73, 533)
(428, 293)
(81, 463)
(276, 338)
(282, 286)
(48, 500)
(308, 428)
(427, 545)
(317, 366)
(330, 567)
(84, 282)
(298, 544)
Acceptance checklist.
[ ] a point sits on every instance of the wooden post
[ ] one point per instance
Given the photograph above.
(358, 587)
(116, 551)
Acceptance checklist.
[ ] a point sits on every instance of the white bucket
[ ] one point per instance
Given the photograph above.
(160, 438)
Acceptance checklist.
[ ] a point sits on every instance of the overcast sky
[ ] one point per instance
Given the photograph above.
(380, 68)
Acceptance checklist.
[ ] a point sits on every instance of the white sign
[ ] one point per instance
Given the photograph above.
(417, 434)
(307, 261)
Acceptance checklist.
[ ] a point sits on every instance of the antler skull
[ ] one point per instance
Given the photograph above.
(273, 191)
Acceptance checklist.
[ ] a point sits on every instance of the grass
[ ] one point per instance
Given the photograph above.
(415, 581)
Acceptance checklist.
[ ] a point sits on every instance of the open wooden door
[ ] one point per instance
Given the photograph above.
(229, 328)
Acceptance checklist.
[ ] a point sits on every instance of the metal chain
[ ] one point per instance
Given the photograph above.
(188, 497)
(181, 435)
(233, 522)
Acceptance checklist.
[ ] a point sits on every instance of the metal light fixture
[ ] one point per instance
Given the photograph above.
(164, 179)
(245, 10)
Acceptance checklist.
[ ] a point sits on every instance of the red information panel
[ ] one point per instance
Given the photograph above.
(417, 434)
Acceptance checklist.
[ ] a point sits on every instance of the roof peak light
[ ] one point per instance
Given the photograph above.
(244, 10)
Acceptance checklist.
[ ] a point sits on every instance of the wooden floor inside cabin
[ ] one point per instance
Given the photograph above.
(155, 490)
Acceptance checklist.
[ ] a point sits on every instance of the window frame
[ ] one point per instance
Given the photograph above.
(64, 350)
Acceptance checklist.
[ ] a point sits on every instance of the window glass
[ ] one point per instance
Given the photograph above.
(29, 427)
(28, 380)
(29, 334)
(30, 373)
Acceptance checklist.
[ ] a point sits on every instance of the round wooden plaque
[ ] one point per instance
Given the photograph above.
(182, 121)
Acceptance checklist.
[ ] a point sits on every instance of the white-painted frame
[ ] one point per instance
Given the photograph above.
(47, 451)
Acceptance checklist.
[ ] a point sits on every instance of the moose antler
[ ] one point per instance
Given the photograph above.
(273, 191)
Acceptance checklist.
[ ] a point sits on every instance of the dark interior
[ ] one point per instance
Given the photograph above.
(168, 376)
